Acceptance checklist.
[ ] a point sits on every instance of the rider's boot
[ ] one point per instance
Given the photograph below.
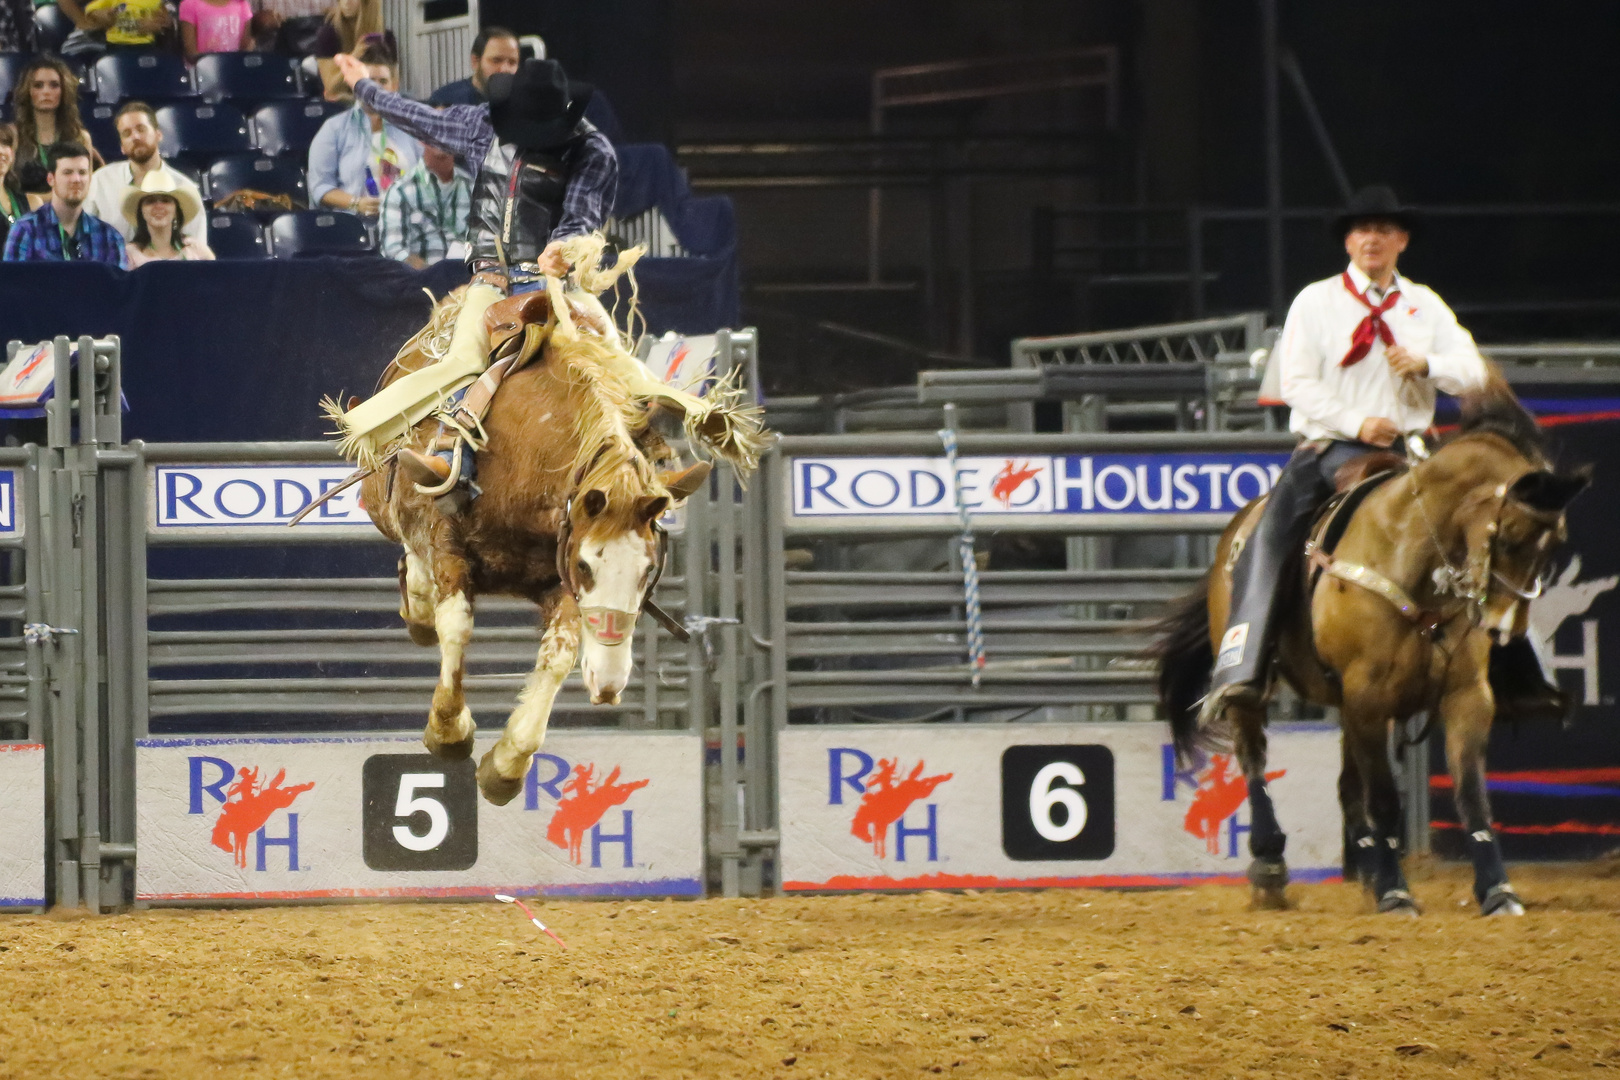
(1242, 663)
(424, 470)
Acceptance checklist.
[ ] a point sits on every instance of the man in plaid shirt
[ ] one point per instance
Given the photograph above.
(60, 231)
(424, 214)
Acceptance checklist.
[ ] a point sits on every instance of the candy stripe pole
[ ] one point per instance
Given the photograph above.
(503, 898)
(970, 568)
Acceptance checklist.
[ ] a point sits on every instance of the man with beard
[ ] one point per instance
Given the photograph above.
(60, 231)
(139, 137)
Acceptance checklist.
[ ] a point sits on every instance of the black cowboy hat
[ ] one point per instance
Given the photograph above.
(538, 107)
(1376, 203)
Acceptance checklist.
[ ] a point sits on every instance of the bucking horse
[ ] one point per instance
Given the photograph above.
(1413, 577)
(572, 489)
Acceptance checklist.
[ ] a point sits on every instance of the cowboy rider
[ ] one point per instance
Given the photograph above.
(543, 174)
(1360, 358)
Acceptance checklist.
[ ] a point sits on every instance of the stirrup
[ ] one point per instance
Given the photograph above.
(451, 482)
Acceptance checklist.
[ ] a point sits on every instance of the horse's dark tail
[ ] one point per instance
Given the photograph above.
(1184, 655)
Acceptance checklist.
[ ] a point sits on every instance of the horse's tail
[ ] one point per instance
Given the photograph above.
(1185, 657)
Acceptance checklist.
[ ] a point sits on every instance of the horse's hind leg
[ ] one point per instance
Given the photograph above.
(450, 726)
(1358, 837)
(500, 772)
(1467, 714)
(416, 598)
(1366, 733)
(1268, 872)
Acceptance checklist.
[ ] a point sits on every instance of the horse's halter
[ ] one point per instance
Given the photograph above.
(609, 626)
(1474, 583)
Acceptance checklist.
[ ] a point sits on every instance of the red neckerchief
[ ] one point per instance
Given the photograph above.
(1372, 327)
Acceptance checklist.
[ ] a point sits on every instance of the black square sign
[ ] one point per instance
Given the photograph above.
(1057, 802)
(419, 813)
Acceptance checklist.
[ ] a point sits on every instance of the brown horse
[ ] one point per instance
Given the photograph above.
(1434, 571)
(567, 518)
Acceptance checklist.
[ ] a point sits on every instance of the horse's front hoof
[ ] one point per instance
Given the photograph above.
(460, 750)
(423, 634)
(1398, 902)
(1501, 900)
(1269, 878)
(496, 788)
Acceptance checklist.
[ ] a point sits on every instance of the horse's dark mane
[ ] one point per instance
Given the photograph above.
(1496, 410)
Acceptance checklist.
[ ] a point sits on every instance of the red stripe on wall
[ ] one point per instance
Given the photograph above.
(1578, 828)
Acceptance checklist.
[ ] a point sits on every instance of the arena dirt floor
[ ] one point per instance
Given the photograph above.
(1067, 984)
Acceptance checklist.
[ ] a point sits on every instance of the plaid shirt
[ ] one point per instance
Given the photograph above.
(38, 238)
(421, 216)
(465, 131)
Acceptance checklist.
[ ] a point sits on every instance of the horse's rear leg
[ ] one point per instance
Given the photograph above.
(1366, 733)
(500, 772)
(1268, 872)
(416, 598)
(450, 727)
(1467, 714)
(1358, 837)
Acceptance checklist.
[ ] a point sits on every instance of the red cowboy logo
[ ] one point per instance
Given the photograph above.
(885, 802)
(248, 806)
(1219, 797)
(1011, 477)
(582, 806)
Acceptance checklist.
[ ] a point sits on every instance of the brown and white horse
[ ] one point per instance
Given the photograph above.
(567, 518)
(1435, 572)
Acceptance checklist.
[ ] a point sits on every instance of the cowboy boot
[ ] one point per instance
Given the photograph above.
(423, 470)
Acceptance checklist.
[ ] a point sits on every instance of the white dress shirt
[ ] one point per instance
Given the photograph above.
(1330, 401)
(108, 185)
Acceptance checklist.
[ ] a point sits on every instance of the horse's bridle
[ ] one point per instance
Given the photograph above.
(565, 572)
(1464, 582)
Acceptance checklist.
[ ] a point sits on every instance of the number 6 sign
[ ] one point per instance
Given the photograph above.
(1057, 802)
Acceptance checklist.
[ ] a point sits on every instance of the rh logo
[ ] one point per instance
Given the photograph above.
(1219, 793)
(581, 807)
(245, 809)
(884, 801)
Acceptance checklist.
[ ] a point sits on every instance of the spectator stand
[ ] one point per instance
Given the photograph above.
(152, 77)
(51, 27)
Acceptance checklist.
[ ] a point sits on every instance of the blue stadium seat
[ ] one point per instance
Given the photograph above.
(98, 124)
(318, 232)
(267, 174)
(236, 236)
(11, 66)
(288, 127)
(247, 78)
(51, 27)
(193, 132)
(149, 76)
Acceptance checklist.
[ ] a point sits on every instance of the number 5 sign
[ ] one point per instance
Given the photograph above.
(1057, 802)
(420, 813)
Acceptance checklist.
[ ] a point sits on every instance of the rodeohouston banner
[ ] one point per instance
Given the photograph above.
(277, 818)
(1039, 805)
(22, 802)
(1212, 483)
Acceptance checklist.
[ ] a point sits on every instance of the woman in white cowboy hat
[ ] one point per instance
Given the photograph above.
(159, 207)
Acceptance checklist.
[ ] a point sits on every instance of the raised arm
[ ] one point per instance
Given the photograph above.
(461, 130)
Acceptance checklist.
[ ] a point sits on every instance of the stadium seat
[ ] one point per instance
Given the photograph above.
(11, 65)
(193, 132)
(248, 79)
(260, 173)
(288, 127)
(318, 232)
(149, 76)
(98, 124)
(51, 27)
(236, 236)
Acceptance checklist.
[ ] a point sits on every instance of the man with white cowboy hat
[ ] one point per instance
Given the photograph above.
(1360, 358)
(160, 208)
(139, 139)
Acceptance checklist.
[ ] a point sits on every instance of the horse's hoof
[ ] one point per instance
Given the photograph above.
(459, 750)
(422, 633)
(496, 788)
(1398, 902)
(1269, 877)
(1501, 900)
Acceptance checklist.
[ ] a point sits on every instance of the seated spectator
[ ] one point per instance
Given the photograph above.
(130, 24)
(289, 27)
(424, 215)
(215, 26)
(351, 25)
(86, 41)
(45, 106)
(16, 26)
(60, 231)
(159, 209)
(494, 50)
(356, 157)
(138, 137)
(13, 203)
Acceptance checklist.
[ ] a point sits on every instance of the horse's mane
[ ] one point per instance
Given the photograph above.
(605, 452)
(1496, 410)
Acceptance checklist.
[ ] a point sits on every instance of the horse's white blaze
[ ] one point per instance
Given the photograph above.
(608, 610)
